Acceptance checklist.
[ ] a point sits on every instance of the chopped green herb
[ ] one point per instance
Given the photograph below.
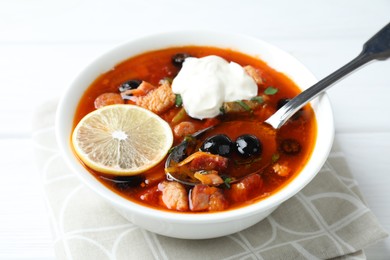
(275, 157)
(189, 138)
(270, 91)
(244, 105)
(258, 99)
(227, 182)
(178, 100)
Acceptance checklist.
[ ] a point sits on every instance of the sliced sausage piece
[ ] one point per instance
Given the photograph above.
(217, 201)
(206, 198)
(106, 99)
(174, 195)
(184, 128)
(246, 189)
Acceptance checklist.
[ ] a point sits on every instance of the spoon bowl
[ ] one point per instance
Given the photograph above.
(191, 143)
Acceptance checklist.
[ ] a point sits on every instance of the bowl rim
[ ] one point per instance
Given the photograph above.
(321, 105)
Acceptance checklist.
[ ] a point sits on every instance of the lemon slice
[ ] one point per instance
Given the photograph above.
(122, 139)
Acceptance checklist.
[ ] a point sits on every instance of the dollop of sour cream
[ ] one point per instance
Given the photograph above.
(206, 83)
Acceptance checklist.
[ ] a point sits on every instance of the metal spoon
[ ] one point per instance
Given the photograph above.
(179, 152)
(376, 48)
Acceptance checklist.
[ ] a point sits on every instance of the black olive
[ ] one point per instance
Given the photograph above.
(131, 84)
(179, 58)
(248, 145)
(124, 182)
(282, 102)
(290, 146)
(218, 144)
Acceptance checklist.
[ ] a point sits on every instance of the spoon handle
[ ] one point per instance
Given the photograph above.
(376, 48)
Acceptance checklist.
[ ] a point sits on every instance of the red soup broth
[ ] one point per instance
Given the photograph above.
(156, 65)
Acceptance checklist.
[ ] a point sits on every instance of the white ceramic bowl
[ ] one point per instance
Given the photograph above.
(209, 225)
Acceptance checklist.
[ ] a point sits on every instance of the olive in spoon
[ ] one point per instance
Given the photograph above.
(376, 48)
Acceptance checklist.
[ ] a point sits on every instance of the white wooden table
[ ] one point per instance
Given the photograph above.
(44, 43)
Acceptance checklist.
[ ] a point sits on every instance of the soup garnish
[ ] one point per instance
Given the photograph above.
(112, 139)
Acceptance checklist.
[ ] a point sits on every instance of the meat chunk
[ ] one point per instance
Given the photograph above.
(207, 162)
(106, 99)
(184, 128)
(158, 100)
(247, 188)
(209, 178)
(174, 195)
(203, 161)
(254, 73)
(206, 198)
(217, 201)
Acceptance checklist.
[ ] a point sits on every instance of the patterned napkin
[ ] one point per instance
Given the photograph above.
(327, 219)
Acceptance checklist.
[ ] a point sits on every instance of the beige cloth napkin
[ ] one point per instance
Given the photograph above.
(327, 219)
